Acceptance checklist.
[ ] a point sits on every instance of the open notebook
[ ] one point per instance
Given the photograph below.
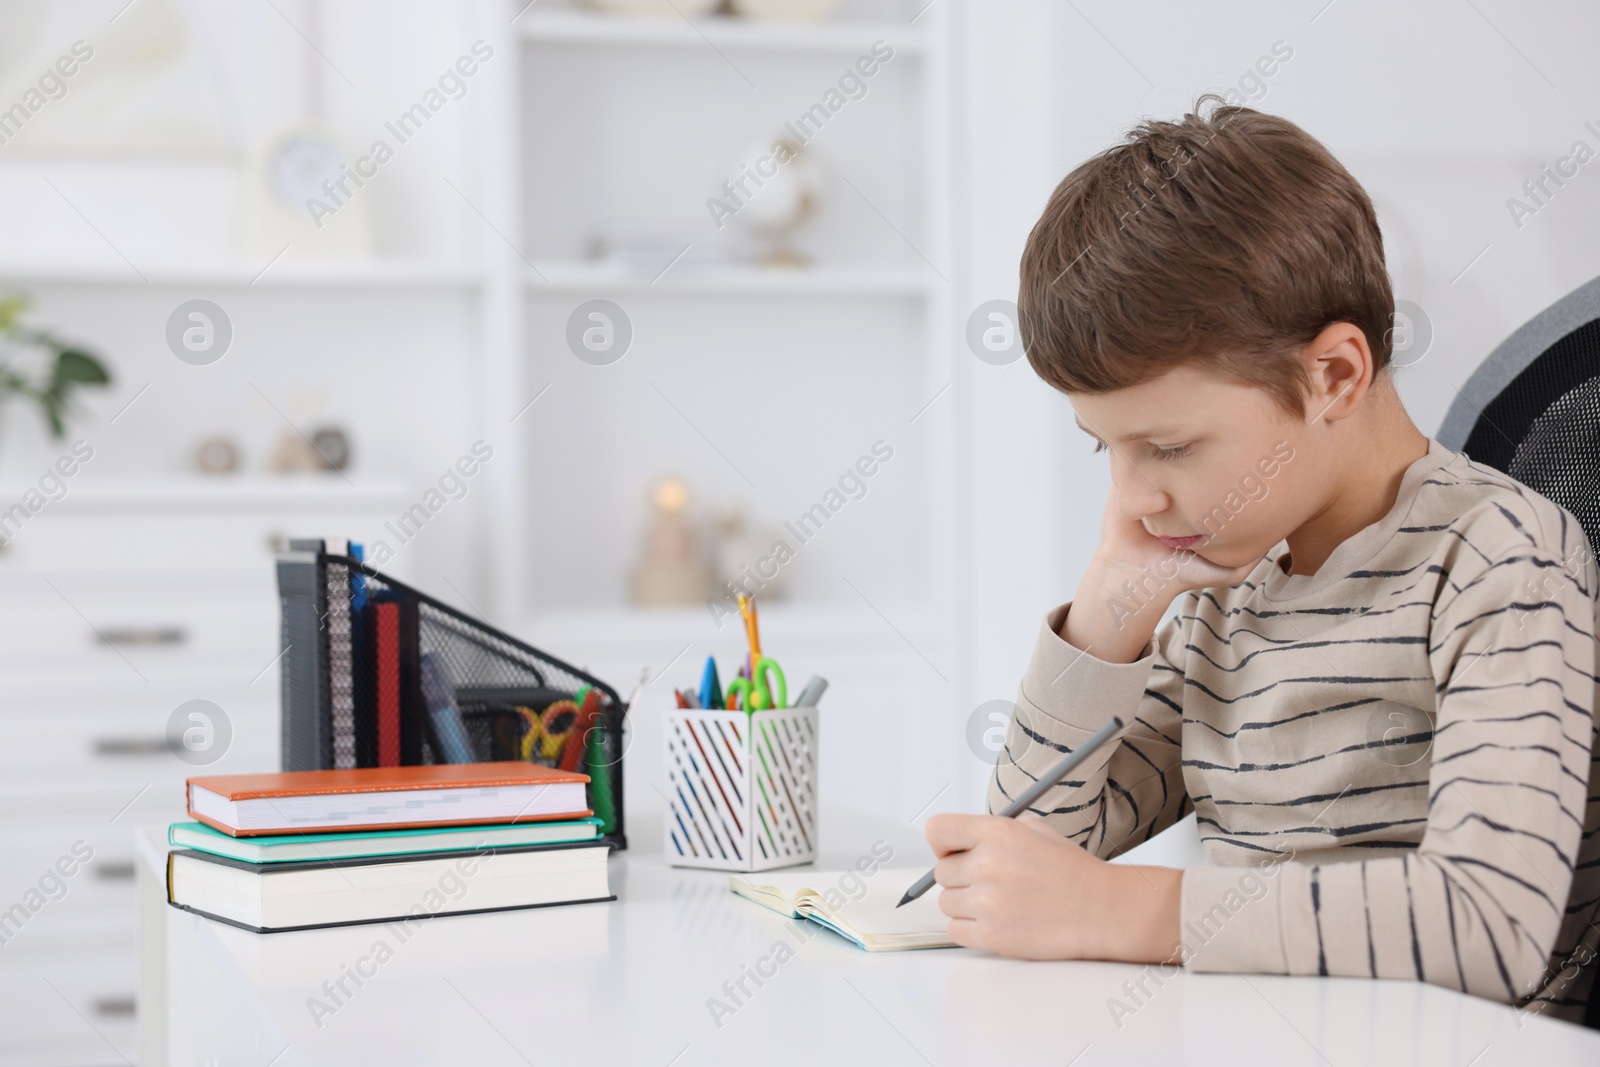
(872, 921)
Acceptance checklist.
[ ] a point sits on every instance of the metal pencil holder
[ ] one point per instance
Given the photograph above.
(742, 788)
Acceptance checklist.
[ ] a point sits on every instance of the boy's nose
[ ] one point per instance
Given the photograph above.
(1137, 496)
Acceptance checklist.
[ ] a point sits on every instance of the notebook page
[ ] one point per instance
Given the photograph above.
(875, 914)
(762, 889)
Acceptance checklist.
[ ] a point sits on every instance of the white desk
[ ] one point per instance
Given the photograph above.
(627, 982)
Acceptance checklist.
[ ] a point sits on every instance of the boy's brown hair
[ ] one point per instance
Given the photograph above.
(1227, 241)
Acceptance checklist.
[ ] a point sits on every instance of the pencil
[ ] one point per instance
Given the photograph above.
(1046, 782)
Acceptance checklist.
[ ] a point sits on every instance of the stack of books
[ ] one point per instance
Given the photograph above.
(300, 849)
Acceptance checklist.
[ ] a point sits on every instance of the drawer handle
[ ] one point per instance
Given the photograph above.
(120, 1006)
(141, 635)
(114, 871)
(130, 746)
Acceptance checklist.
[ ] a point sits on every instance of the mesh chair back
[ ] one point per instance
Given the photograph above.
(1532, 410)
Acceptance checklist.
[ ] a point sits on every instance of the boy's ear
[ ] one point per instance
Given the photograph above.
(1339, 362)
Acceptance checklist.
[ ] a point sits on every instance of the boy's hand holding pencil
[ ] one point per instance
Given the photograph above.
(1018, 888)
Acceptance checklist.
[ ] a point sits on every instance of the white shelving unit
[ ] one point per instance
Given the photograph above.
(756, 383)
(751, 382)
(572, 60)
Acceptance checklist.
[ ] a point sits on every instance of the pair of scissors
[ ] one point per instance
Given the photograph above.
(757, 693)
(556, 723)
(530, 732)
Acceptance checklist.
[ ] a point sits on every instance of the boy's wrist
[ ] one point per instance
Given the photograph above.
(1149, 901)
(1107, 623)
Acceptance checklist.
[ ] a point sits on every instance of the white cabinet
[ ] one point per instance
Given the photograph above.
(116, 608)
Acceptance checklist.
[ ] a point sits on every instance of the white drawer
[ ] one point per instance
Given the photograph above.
(88, 741)
(31, 695)
(116, 796)
(134, 632)
(68, 885)
(67, 1008)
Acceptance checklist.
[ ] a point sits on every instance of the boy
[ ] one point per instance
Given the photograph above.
(1378, 691)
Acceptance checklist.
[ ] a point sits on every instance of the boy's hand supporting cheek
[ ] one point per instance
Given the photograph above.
(1017, 888)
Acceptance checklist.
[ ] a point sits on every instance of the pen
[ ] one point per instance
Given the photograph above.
(644, 676)
(1045, 782)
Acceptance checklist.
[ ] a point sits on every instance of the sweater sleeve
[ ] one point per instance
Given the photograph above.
(1478, 905)
(1132, 787)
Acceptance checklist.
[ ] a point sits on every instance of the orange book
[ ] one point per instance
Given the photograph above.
(387, 798)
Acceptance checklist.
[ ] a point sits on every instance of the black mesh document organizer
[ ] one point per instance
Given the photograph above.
(500, 685)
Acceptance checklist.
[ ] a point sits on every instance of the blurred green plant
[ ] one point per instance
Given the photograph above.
(64, 368)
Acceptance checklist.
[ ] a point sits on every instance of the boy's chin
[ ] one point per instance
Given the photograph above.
(1227, 556)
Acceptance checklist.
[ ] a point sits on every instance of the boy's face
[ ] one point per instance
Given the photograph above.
(1196, 455)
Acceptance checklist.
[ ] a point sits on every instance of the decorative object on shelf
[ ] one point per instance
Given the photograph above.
(145, 84)
(333, 447)
(745, 554)
(294, 454)
(786, 10)
(61, 367)
(304, 196)
(663, 8)
(301, 192)
(217, 454)
(650, 248)
(327, 450)
(783, 202)
(672, 569)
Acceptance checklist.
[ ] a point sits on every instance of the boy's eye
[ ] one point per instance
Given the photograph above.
(1160, 453)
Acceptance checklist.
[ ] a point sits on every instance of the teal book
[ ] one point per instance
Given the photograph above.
(287, 848)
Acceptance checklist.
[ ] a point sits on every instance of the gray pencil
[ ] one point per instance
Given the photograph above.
(1033, 792)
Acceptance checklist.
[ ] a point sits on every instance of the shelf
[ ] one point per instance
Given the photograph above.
(576, 276)
(719, 31)
(223, 494)
(367, 274)
(856, 626)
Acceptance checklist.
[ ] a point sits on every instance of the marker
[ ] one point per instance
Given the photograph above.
(710, 686)
(811, 693)
(1033, 792)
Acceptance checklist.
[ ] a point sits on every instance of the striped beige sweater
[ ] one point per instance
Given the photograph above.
(1390, 759)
